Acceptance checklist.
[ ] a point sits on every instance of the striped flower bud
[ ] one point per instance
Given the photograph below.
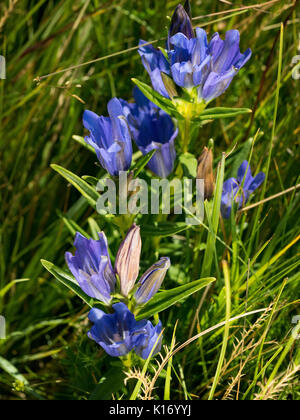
(151, 280)
(127, 263)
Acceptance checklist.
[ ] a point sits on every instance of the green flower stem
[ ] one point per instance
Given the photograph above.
(185, 133)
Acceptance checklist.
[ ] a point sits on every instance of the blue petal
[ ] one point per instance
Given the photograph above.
(231, 48)
(230, 189)
(200, 51)
(244, 176)
(257, 181)
(96, 315)
(215, 46)
(183, 74)
(155, 62)
(145, 341)
(216, 84)
(243, 59)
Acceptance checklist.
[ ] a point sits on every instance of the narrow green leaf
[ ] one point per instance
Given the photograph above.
(10, 285)
(216, 113)
(68, 281)
(73, 227)
(83, 187)
(12, 371)
(141, 163)
(163, 103)
(81, 141)
(163, 229)
(164, 300)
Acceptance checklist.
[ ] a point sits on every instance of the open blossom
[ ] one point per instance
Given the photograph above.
(110, 137)
(210, 67)
(119, 333)
(91, 267)
(152, 129)
(239, 189)
(196, 64)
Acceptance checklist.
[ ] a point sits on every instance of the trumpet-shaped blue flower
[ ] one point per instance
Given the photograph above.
(210, 67)
(152, 129)
(181, 22)
(91, 267)
(151, 280)
(240, 189)
(119, 333)
(110, 137)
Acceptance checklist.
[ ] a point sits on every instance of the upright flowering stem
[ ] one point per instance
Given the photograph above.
(185, 133)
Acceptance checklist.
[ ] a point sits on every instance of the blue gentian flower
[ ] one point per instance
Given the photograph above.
(146, 338)
(151, 280)
(208, 67)
(91, 267)
(240, 189)
(181, 22)
(152, 129)
(155, 62)
(115, 332)
(110, 137)
(119, 333)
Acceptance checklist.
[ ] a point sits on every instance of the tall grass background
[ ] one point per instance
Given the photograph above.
(47, 354)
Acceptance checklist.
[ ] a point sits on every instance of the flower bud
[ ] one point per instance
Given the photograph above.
(205, 172)
(127, 263)
(181, 22)
(151, 280)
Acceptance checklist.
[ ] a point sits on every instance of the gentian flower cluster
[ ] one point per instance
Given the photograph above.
(152, 129)
(205, 69)
(239, 189)
(91, 266)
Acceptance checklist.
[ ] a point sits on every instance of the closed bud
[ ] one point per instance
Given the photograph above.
(127, 263)
(151, 280)
(181, 22)
(188, 8)
(205, 172)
